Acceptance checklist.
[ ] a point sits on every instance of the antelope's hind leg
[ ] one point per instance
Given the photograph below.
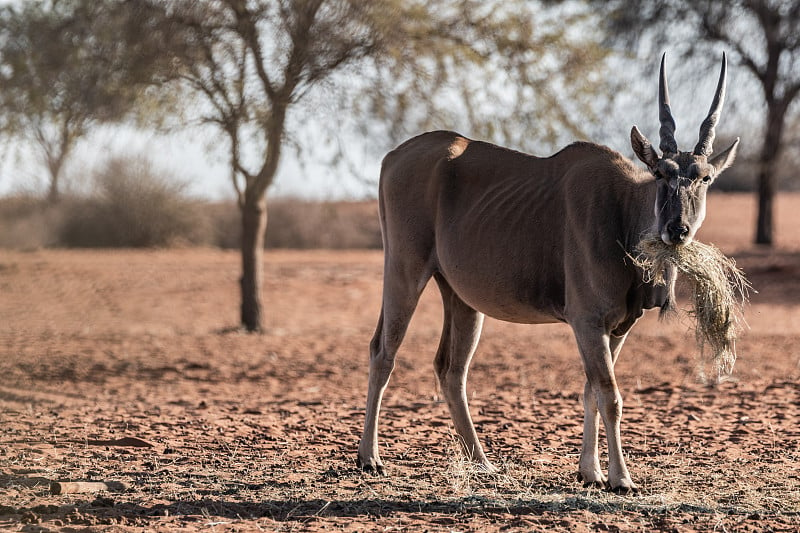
(401, 292)
(461, 331)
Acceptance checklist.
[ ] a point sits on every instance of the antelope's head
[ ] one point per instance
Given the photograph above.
(682, 178)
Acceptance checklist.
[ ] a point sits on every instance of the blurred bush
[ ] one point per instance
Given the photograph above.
(29, 222)
(134, 204)
(303, 224)
(331, 225)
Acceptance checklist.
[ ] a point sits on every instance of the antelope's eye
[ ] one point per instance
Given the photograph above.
(706, 178)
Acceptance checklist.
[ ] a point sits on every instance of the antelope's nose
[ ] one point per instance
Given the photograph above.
(677, 233)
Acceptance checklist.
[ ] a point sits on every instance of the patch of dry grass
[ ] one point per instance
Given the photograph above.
(719, 291)
(671, 491)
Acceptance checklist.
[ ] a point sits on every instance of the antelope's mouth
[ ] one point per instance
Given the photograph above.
(671, 241)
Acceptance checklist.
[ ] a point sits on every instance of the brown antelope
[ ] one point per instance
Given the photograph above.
(533, 240)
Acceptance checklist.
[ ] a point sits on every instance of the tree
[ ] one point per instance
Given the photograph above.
(66, 65)
(764, 35)
(408, 63)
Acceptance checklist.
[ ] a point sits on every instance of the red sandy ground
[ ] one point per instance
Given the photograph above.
(259, 432)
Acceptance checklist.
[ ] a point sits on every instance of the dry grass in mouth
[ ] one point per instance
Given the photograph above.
(719, 291)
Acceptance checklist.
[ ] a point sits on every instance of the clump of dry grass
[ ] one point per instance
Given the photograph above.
(719, 291)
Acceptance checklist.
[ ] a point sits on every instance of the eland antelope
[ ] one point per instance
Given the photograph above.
(534, 240)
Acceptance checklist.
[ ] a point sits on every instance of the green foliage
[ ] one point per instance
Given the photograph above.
(516, 72)
(68, 65)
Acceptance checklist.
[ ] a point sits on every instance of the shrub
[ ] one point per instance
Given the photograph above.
(135, 206)
(301, 224)
(331, 225)
(225, 220)
(28, 222)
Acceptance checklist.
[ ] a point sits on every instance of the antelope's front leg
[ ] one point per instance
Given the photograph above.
(590, 473)
(602, 385)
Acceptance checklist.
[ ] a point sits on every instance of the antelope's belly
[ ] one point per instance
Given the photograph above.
(513, 295)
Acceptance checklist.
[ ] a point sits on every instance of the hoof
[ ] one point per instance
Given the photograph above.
(601, 483)
(625, 490)
(486, 468)
(376, 469)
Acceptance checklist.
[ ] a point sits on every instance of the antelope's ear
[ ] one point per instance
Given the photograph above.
(643, 149)
(725, 159)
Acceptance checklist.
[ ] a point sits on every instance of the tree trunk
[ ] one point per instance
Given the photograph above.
(768, 160)
(52, 194)
(54, 164)
(254, 227)
(54, 153)
(766, 195)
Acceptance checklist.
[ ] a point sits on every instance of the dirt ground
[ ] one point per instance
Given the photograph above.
(124, 367)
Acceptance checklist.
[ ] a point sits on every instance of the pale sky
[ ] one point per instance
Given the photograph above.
(192, 156)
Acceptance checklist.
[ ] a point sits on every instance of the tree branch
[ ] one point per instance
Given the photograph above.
(246, 28)
(714, 30)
